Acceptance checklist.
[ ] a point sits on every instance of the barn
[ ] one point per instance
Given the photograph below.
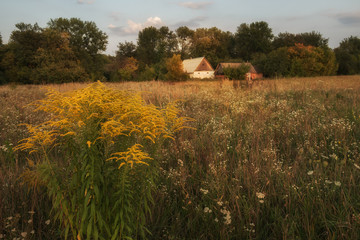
(253, 73)
(198, 68)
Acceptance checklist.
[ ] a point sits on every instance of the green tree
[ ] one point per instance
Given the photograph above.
(252, 39)
(147, 43)
(348, 56)
(154, 45)
(19, 57)
(236, 73)
(184, 36)
(211, 43)
(86, 41)
(175, 69)
(126, 50)
(55, 61)
(308, 39)
(275, 64)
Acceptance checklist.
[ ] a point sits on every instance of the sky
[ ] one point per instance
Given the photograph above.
(122, 20)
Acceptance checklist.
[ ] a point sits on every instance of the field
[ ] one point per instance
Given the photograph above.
(277, 160)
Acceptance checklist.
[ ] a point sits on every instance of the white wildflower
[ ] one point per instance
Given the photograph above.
(310, 172)
(260, 195)
(337, 183)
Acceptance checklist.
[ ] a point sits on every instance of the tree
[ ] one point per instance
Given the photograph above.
(86, 40)
(348, 56)
(308, 39)
(55, 61)
(127, 72)
(275, 64)
(147, 43)
(175, 68)
(126, 50)
(236, 73)
(308, 61)
(184, 36)
(252, 39)
(18, 61)
(211, 43)
(154, 45)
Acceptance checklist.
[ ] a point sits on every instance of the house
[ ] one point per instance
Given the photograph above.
(251, 75)
(198, 68)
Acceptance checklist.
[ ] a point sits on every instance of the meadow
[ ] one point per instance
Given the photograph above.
(277, 160)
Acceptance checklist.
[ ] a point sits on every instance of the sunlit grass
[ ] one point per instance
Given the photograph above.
(279, 160)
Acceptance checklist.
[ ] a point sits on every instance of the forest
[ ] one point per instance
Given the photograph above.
(72, 50)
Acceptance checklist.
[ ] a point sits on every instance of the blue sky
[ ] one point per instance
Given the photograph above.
(122, 20)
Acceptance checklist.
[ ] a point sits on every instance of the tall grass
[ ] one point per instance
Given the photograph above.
(278, 161)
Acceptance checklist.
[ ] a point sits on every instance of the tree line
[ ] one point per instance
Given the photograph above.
(69, 50)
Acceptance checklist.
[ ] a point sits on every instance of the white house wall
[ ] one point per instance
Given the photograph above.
(203, 74)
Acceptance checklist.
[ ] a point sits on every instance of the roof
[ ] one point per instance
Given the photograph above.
(221, 66)
(191, 65)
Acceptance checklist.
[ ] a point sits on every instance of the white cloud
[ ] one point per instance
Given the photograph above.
(133, 28)
(195, 5)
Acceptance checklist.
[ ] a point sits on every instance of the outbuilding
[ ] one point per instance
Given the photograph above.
(198, 68)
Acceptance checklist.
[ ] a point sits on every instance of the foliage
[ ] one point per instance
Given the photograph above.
(147, 74)
(211, 43)
(86, 41)
(154, 45)
(236, 73)
(313, 38)
(126, 50)
(298, 60)
(184, 35)
(309, 61)
(127, 71)
(175, 69)
(252, 39)
(101, 185)
(55, 61)
(19, 57)
(348, 56)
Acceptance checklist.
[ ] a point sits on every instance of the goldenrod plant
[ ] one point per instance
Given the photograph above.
(95, 156)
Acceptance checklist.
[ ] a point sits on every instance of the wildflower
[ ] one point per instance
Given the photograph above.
(180, 162)
(88, 143)
(220, 203)
(32, 232)
(207, 210)
(310, 172)
(23, 234)
(260, 195)
(261, 201)
(337, 183)
(204, 191)
(47, 222)
(328, 182)
(216, 220)
(30, 221)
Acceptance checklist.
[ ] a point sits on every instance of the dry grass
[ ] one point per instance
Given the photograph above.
(279, 160)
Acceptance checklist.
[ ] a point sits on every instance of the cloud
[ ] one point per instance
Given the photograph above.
(195, 5)
(191, 23)
(346, 18)
(133, 28)
(349, 18)
(85, 2)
